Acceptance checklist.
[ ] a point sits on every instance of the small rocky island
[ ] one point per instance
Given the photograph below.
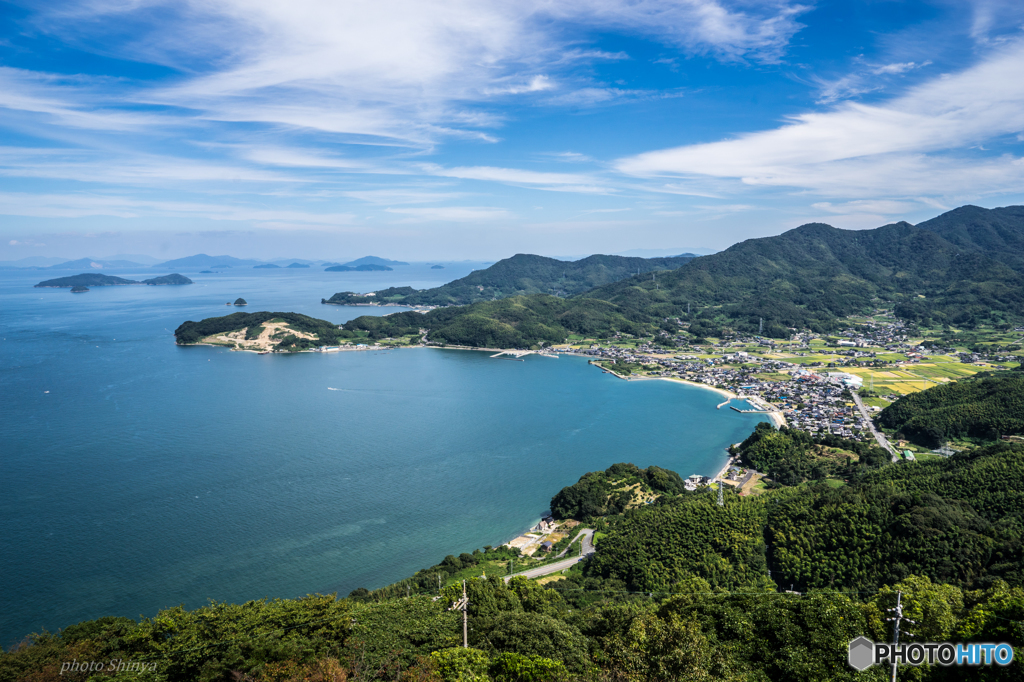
(94, 279)
(240, 301)
(437, 267)
(79, 290)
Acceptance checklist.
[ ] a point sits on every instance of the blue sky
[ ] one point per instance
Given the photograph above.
(426, 130)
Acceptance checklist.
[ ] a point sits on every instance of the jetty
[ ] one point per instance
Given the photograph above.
(518, 354)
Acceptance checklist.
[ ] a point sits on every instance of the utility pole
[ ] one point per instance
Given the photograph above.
(463, 605)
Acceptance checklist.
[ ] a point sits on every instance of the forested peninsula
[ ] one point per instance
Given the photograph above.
(264, 331)
(958, 269)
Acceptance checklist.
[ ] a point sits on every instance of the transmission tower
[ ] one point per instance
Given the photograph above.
(896, 619)
(760, 326)
(721, 492)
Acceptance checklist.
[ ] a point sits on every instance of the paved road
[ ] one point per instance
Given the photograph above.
(588, 549)
(879, 437)
(588, 542)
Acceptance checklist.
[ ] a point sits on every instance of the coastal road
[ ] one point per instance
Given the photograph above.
(588, 549)
(879, 437)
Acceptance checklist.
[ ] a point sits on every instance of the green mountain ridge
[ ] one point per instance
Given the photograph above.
(807, 278)
(525, 274)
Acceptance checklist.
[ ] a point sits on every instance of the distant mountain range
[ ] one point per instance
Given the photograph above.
(963, 268)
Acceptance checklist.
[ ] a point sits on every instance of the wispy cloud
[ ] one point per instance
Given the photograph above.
(456, 214)
(915, 144)
(83, 205)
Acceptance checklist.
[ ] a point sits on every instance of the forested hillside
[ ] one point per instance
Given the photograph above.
(808, 277)
(997, 232)
(613, 491)
(984, 406)
(517, 322)
(959, 521)
(791, 456)
(525, 274)
(958, 269)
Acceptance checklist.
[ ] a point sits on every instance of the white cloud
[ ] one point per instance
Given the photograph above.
(557, 182)
(408, 71)
(535, 84)
(912, 145)
(898, 68)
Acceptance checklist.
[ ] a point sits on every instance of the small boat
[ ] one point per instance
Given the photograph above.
(263, 352)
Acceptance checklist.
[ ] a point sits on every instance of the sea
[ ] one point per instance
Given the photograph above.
(138, 475)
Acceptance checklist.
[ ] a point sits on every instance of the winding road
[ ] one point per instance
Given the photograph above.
(588, 549)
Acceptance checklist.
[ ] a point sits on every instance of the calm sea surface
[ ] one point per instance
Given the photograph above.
(138, 475)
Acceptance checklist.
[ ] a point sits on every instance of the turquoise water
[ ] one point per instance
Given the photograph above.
(151, 475)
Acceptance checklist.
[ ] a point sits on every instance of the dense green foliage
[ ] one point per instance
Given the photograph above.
(984, 406)
(951, 270)
(959, 521)
(695, 633)
(655, 547)
(326, 332)
(790, 456)
(611, 491)
(86, 279)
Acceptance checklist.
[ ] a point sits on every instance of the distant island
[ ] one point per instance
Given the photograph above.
(365, 267)
(298, 265)
(167, 279)
(437, 267)
(240, 301)
(373, 260)
(79, 290)
(265, 266)
(93, 279)
(261, 332)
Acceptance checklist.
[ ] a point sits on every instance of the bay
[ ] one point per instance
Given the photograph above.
(138, 475)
